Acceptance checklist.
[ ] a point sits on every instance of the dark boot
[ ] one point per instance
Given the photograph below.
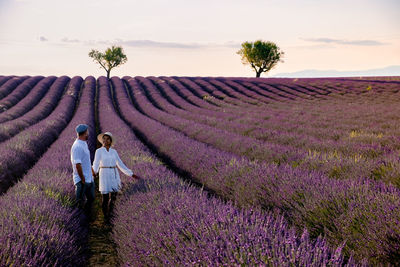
(112, 204)
(104, 207)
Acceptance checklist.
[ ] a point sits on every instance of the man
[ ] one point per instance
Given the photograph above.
(82, 170)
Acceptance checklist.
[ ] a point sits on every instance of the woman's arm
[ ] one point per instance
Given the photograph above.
(96, 162)
(122, 166)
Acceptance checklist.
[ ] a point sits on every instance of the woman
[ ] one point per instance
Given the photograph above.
(106, 161)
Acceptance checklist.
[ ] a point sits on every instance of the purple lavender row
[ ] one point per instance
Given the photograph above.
(344, 86)
(164, 221)
(213, 91)
(201, 99)
(244, 125)
(241, 104)
(291, 88)
(259, 132)
(288, 94)
(187, 87)
(4, 79)
(19, 92)
(239, 145)
(195, 130)
(254, 90)
(173, 90)
(29, 101)
(234, 92)
(41, 110)
(380, 79)
(291, 124)
(214, 98)
(308, 199)
(39, 223)
(195, 109)
(275, 96)
(314, 89)
(291, 92)
(223, 114)
(295, 91)
(174, 97)
(179, 226)
(223, 87)
(326, 120)
(223, 119)
(268, 97)
(23, 150)
(319, 85)
(305, 89)
(230, 116)
(224, 140)
(209, 87)
(251, 91)
(10, 85)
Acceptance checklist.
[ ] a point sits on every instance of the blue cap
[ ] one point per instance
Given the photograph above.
(81, 128)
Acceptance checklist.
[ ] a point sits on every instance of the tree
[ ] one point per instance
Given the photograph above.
(111, 58)
(261, 56)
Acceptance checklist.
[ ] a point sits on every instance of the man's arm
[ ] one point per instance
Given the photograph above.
(80, 172)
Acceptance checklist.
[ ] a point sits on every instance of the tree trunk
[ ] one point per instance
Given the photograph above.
(258, 73)
(108, 74)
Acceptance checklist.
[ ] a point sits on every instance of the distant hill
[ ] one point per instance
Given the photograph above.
(388, 71)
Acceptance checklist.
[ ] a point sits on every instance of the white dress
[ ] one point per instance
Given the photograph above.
(109, 180)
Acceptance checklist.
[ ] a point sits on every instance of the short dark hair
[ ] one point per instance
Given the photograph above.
(82, 133)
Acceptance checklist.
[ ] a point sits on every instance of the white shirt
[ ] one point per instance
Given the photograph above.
(109, 179)
(80, 154)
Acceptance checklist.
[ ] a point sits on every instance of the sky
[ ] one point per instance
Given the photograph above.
(196, 37)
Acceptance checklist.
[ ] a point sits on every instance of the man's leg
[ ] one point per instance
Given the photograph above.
(89, 193)
(79, 194)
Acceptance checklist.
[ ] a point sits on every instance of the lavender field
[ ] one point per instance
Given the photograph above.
(235, 171)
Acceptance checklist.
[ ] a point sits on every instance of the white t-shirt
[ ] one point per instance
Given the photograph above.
(109, 179)
(80, 154)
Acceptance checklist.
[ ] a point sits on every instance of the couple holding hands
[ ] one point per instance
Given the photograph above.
(106, 161)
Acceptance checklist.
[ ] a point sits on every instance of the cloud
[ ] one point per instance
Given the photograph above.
(146, 43)
(43, 39)
(344, 42)
(66, 40)
(157, 44)
(149, 43)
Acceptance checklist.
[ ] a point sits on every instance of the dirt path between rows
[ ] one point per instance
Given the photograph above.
(102, 250)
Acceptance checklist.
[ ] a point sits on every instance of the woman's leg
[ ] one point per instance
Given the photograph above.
(104, 205)
(112, 202)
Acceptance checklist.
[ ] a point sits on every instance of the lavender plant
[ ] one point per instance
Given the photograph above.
(10, 85)
(38, 113)
(19, 92)
(297, 193)
(164, 221)
(29, 101)
(39, 223)
(23, 150)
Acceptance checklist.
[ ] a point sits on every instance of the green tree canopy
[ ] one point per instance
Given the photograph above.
(261, 56)
(110, 59)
